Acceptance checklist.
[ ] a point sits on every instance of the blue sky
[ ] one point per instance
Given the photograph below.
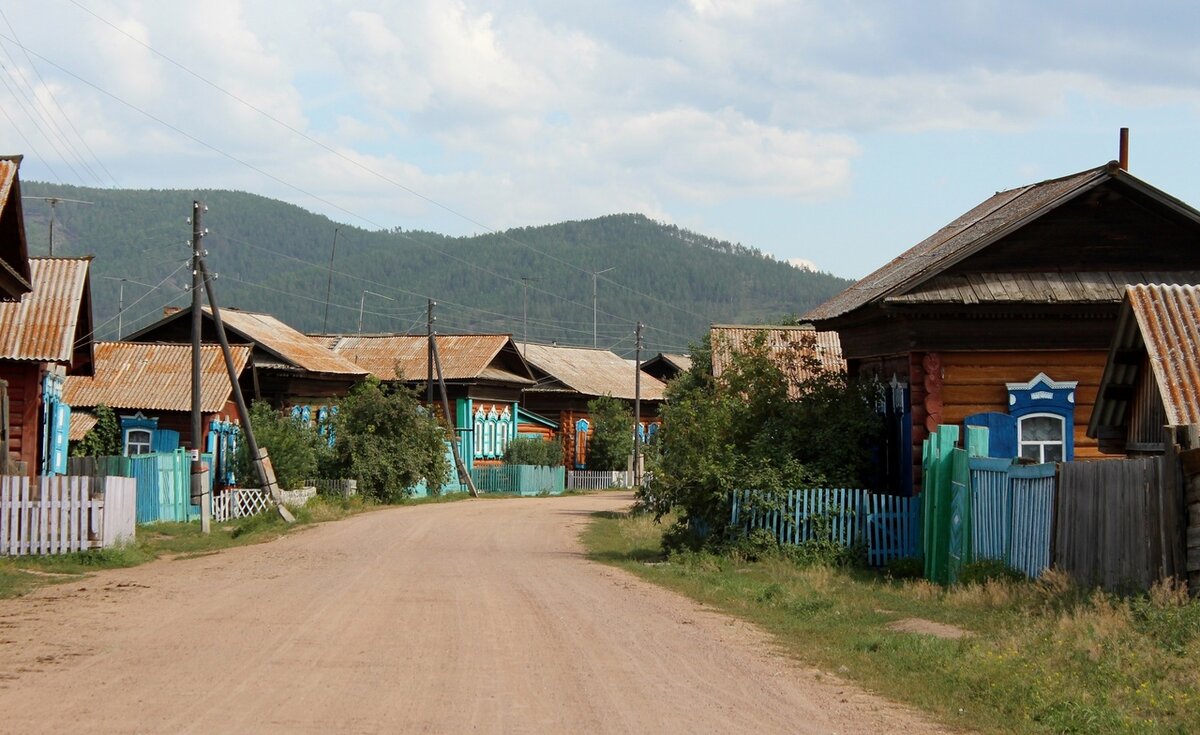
(834, 133)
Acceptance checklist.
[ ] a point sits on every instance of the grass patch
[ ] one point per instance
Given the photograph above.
(1041, 657)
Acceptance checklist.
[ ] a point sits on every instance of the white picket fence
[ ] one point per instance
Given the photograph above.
(60, 514)
(239, 503)
(598, 479)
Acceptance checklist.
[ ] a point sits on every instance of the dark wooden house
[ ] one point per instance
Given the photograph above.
(1004, 316)
(15, 276)
(43, 336)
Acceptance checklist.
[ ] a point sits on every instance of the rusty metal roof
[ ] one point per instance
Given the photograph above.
(463, 356)
(288, 344)
(1163, 322)
(589, 371)
(14, 254)
(42, 325)
(154, 376)
(987, 222)
(787, 346)
(82, 422)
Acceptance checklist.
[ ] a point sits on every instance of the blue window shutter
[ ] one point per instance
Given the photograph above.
(1002, 433)
(62, 429)
(164, 440)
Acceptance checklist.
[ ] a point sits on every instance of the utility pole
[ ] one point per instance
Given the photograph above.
(54, 203)
(525, 312)
(595, 274)
(637, 409)
(464, 476)
(199, 489)
(363, 301)
(429, 347)
(121, 300)
(329, 283)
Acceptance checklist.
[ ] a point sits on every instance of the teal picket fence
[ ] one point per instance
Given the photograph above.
(519, 479)
(164, 486)
(887, 525)
(451, 485)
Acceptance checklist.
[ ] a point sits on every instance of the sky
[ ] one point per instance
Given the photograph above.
(838, 134)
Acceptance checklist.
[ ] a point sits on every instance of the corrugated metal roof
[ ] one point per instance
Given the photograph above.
(82, 422)
(965, 235)
(683, 363)
(299, 349)
(787, 345)
(590, 372)
(1169, 320)
(463, 356)
(41, 326)
(154, 376)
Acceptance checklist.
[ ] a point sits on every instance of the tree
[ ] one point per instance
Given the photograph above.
(611, 443)
(104, 439)
(386, 440)
(296, 449)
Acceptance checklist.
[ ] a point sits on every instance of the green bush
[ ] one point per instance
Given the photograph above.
(295, 448)
(533, 451)
(986, 570)
(611, 443)
(104, 439)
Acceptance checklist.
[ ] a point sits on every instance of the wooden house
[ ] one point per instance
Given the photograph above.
(44, 335)
(665, 366)
(569, 377)
(15, 275)
(797, 350)
(1151, 379)
(484, 376)
(288, 369)
(1004, 316)
(149, 388)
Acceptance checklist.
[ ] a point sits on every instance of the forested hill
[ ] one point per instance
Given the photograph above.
(274, 257)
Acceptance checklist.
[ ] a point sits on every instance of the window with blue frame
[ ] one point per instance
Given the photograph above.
(137, 434)
(492, 431)
(1044, 411)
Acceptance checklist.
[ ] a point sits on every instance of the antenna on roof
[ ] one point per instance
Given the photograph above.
(1123, 152)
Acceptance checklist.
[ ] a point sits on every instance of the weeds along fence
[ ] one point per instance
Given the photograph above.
(886, 525)
(598, 479)
(60, 514)
(519, 479)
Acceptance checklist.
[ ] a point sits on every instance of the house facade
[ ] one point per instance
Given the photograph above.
(1003, 318)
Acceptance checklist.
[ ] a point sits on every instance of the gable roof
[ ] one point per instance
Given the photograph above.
(463, 356)
(668, 362)
(15, 275)
(286, 344)
(1163, 323)
(43, 324)
(154, 376)
(784, 343)
(994, 218)
(588, 371)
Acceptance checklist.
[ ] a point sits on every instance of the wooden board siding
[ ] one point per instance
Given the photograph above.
(974, 382)
(24, 410)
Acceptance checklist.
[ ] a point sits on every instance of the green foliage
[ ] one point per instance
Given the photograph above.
(986, 570)
(388, 442)
(611, 443)
(689, 280)
(104, 439)
(743, 431)
(296, 449)
(533, 451)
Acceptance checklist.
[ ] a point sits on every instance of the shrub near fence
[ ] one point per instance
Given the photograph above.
(888, 526)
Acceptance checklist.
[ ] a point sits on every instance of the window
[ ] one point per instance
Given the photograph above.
(137, 441)
(1041, 437)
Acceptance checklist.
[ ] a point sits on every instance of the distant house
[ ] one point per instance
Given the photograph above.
(288, 369)
(1152, 377)
(45, 334)
(569, 377)
(484, 375)
(1003, 317)
(15, 275)
(149, 387)
(665, 366)
(797, 350)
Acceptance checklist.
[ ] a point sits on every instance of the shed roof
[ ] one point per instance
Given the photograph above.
(463, 356)
(994, 218)
(786, 344)
(1163, 322)
(42, 325)
(15, 276)
(154, 376)
(589, 371)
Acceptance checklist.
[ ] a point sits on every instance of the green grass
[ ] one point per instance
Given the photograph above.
(20, 574)
(1041, 657)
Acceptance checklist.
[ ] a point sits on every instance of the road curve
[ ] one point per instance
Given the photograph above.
(477, 616)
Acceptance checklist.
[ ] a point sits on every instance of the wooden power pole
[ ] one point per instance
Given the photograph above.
(637, 409)
(199, 484)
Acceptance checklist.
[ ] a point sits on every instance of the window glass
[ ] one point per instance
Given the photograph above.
(1041, 438)
(137, 441)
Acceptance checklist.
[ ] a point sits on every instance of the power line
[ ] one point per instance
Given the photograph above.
(28, 104)
(83, 340)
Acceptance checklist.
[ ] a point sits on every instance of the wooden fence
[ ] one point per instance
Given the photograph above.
(519, 479)
(240, 502)
(888, 526)
(598, 479)
(1120, 523)
(163, 481)
(60, 514)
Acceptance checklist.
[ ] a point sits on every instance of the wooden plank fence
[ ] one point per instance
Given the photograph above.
(887, 525)
(598, 479)
(61, 514)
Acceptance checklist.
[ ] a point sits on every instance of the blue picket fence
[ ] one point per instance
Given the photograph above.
(889, 526)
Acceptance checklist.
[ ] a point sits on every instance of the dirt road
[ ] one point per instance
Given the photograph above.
(477, 616)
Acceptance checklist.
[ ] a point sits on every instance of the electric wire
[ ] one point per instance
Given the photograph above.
(26, 104)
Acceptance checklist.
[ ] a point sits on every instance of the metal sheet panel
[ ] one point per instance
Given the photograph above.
(405, 356)
(299, 349)
(41, 325)
(1168, 319)
(590, 372)
(789, 348)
